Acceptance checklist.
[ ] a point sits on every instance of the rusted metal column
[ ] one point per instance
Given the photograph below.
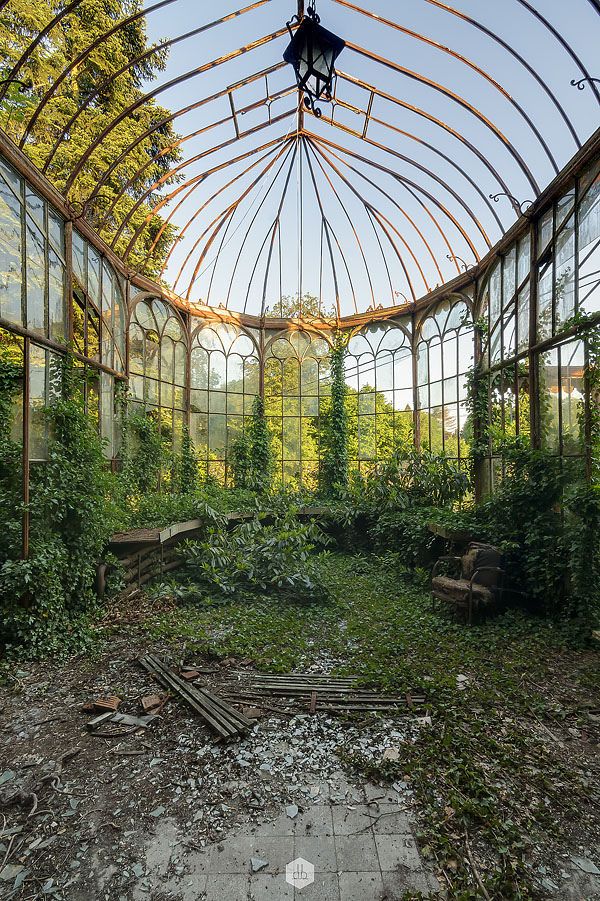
(415, 378)
(25, 474)
(534, 380)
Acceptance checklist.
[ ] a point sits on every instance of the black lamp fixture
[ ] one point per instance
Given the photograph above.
(313, 52)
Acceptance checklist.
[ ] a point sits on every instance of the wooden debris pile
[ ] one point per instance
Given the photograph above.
(225, 720)
(314, 692)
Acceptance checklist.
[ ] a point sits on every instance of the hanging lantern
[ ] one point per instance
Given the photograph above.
(313, 52)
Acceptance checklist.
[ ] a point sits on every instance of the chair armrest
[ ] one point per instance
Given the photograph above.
(444, 560)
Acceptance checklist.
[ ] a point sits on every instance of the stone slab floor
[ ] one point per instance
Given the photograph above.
(362, 850)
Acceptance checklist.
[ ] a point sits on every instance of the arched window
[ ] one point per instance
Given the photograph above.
(158, 364)
(224, 380)
(444, 356)
(296, 386)
(380, 392)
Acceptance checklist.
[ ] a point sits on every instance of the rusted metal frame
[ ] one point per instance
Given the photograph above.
(205, 205)
(234, 114)
(562, 41)
(432, 147)
(207, 246)
(368, 114)
(329, 227)
(174, 82)
(308, 143)
(229, 218)
(140, 58)
(455, 98)
(444, 184)
(230, 207)
(441, 124)
(56, 347)
(33, 44)
(392, 201)
(462, 59)
(198, 179)
(131, 181)
(276, 228)
(293, 147)
(226, 215)
(406, 181)
(175, 115)
(183, 186)
(370, 208)
(410, 190)
(505, 46)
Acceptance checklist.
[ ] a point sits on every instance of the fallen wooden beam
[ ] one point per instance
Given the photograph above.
(223, 719)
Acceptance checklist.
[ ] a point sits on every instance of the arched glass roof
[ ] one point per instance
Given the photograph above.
(447, 121)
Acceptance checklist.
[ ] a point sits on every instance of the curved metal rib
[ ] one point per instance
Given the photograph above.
(230, 206)
(409, 186)
(456, 98)
(173, 82)
(207, 246)
(161, 181)
(511, 50)
(142, 57)
(369, 206)
(463, 59)
(34, 43)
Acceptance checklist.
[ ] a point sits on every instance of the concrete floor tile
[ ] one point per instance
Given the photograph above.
(356, 853)
(361, 886)
(324, 888)
(384, 794)
(348, 822)
(270, 887)
(397, 851)
(236, 852)
(282, 826)
(230, 886)
(318, 850)
(314, 821)
(389, 819)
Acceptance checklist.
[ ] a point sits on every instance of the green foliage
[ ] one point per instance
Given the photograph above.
(186, 470)
(11, 375)
(144, 159)
(143, 453)
(334, 442)
(251, 455)
(258, 556)
(71, 519)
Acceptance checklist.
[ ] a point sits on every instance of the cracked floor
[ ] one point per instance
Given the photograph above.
(362, 849)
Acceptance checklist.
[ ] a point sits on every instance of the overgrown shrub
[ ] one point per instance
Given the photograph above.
(251, 455)
(71, 517)
(258, 556)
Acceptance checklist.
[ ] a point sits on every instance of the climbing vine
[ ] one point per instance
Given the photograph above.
(186, 469)
(251, 458)
(334, 448)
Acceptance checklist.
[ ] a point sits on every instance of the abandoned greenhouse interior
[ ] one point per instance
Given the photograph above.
(299, 450)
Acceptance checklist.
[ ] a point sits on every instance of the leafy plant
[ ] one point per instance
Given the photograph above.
(251, 454)
(258, 556)
(71, 517)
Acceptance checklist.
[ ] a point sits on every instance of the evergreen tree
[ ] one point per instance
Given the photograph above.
(20, 22)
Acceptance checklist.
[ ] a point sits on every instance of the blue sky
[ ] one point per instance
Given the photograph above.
(440, 188)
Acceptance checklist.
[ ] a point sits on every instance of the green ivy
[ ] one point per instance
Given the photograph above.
(71, 518)
(251, 455)
(334, 443)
